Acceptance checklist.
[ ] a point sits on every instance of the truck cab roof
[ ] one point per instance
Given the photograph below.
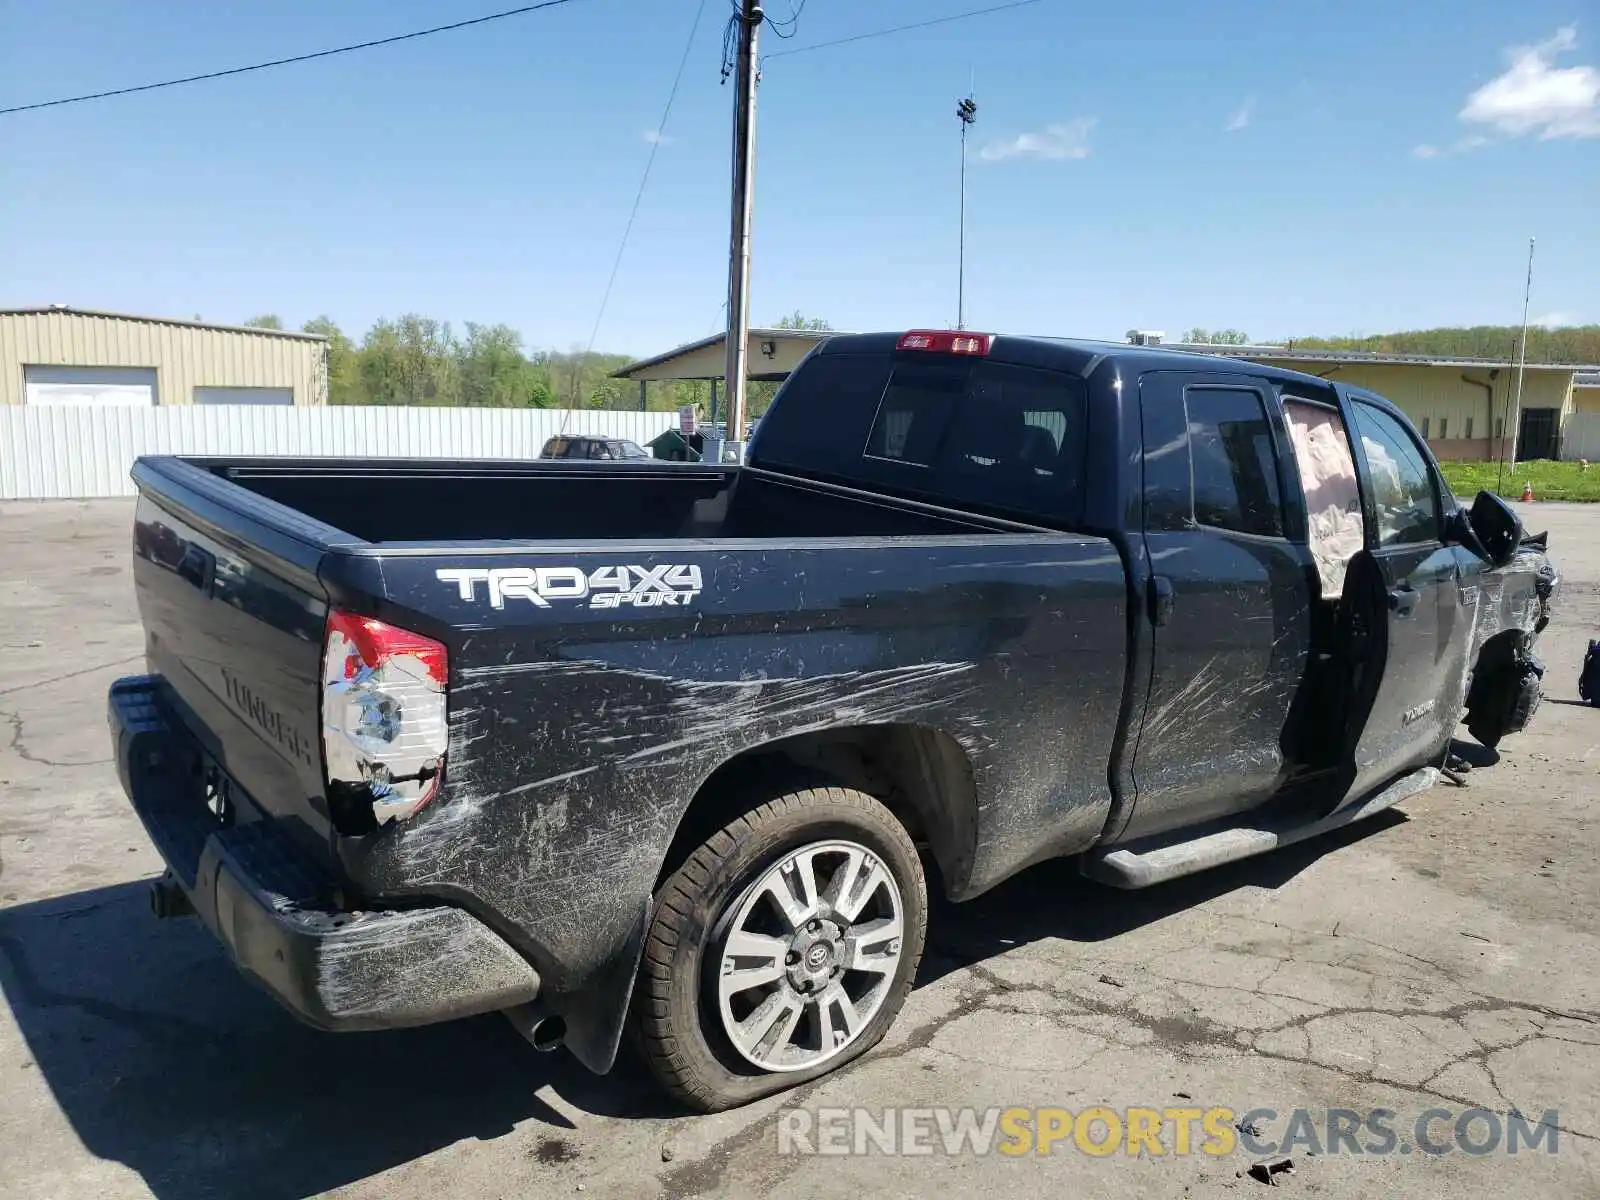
(1086, 356)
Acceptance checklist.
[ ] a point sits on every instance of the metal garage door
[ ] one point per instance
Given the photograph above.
(243, 395)
(123, 387)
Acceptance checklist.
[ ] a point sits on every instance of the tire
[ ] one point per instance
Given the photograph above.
(685, 1012)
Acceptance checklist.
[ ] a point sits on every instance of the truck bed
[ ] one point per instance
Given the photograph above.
(451, 500)
(803, 592)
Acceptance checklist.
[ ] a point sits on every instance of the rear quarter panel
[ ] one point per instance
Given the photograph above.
(579, 735)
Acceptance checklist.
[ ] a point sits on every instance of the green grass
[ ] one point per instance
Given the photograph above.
(1551, 480)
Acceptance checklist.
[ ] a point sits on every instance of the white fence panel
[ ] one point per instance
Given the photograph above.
(1581, 437)
(79, 452)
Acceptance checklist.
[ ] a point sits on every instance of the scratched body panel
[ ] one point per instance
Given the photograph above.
(578, 737)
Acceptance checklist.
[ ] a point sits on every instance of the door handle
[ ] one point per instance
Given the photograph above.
(1161, 599)
(1402, 600)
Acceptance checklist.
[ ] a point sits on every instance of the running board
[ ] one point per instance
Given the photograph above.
(1131, 867)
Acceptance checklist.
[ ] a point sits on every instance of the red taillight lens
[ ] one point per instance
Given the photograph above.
(945, 341)
(383, 714)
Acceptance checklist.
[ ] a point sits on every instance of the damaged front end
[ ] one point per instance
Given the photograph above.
(383, 721)
(1515, 604)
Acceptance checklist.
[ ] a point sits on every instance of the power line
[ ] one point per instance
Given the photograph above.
(785, 28)
(877, 33)
(644, 179)
(284, 62)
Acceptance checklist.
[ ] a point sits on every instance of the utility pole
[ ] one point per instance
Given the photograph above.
(744, 127)
(1522, 363)
(967, 113)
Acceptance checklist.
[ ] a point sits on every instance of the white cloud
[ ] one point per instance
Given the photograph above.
(655, 137)
(1554, 320)
(1058, 141)
(1242, 115)
(1463, 145)
(1535, 96)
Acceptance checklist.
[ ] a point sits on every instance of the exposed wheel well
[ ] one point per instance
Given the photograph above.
(921, 775)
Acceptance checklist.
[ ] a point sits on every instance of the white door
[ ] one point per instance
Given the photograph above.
(122, 387)
(243, 395)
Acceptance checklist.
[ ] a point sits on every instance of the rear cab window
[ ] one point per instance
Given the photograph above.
(943, 428)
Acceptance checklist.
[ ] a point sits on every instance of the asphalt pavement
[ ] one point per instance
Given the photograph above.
(1442, 958)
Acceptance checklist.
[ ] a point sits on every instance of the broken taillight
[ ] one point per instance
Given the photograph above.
(383, 715)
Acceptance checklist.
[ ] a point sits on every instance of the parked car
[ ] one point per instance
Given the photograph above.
(592, 447)
(428, 739)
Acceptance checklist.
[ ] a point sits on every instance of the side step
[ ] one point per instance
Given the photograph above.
(1150, 861)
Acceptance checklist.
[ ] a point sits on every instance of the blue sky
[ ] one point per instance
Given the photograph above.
(1282, 169)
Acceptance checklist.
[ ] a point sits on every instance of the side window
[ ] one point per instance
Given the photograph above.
(1234, 463)
(1403, 491)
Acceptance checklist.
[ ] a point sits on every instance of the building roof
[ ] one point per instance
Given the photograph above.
(1361, 357)
(1586, 379)
(810, 336)
(64, 310)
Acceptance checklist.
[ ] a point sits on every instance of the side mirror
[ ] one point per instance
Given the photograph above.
(1458, 530)
(1498, 529)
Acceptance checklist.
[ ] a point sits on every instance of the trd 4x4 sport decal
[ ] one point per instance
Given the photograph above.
(607, 587)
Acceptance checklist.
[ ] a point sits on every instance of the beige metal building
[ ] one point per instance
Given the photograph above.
(62, 356)
(1586, 392)
(1461, 405)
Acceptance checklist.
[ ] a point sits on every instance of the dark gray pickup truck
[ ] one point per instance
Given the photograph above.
(592, 742)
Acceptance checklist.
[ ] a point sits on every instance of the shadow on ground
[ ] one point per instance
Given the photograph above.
(165, 1059)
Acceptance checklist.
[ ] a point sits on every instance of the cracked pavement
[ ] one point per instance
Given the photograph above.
(1446, 955)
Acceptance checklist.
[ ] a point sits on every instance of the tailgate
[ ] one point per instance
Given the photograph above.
(234, 620)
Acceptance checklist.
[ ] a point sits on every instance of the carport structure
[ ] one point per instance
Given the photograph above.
(772, 354)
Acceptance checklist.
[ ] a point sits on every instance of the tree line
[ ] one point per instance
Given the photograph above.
(418, 360)
(1575, 344)
(413, 359)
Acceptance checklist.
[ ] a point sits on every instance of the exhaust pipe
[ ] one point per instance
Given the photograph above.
(548, 1034)
(168, 900)
(544, 1031)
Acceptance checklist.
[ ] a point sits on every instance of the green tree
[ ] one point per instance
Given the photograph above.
(1216, 337)
(1575, 344)
(344, 361)
(265, 321)
(494, 373)
(798, 320)
(409, 360)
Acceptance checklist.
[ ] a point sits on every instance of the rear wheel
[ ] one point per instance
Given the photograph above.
(781, 949)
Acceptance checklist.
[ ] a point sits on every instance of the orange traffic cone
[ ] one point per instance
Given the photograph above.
(1527, 493)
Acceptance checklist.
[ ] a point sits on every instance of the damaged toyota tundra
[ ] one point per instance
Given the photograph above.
(674, 752)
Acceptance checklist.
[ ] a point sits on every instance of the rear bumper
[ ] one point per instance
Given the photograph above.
(275, 909)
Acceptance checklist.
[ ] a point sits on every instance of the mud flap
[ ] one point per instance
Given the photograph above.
(597, 1015)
